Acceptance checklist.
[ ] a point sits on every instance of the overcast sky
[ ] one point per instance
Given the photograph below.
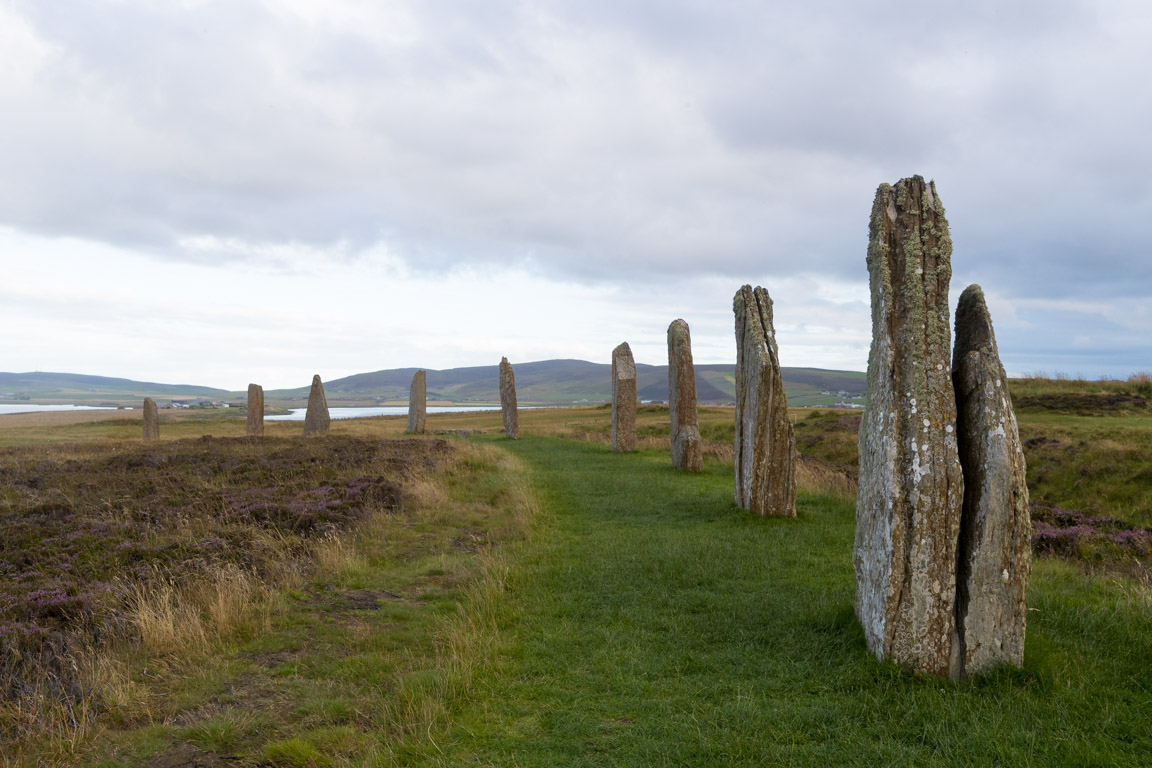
(224, 192)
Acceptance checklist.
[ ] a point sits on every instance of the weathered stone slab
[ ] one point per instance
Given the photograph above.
(911, 486)
(316, 418)
(994, 562)
(255, 426)
(623, 399)
(151, 420)
(765, 445)
(508, 399)
(686, 451)
(418, 403)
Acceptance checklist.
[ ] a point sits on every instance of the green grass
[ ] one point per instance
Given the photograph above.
(650, 623)
(644, 621)
(1096, 463)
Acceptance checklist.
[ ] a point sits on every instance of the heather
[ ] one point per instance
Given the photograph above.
(1040, 393)
(96, 538)
(1090, 539)
(75, 530)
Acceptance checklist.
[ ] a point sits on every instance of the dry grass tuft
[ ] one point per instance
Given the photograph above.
(187, 619)
(423, 493)
(335, 553)
(166, 621)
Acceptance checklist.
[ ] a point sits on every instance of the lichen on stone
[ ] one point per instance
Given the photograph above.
(908, 506)
(765, 447)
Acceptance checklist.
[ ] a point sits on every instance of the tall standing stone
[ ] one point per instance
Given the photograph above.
(151, 420)
(682, 399)
(994, 561)
(418, 403)
(911, 486)
(623, 399)
(508, 399)
(765, 445)
(255, 427)
(316, 419)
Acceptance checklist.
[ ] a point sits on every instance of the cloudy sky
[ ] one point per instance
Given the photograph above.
(244, 190)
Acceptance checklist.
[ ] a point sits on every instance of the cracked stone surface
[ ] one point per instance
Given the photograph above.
(765, 444)
(255, 424)
(316, 419)
(623, 399)
(686, 451)
(418, 403)
(911, 485)
(151, 420)
(994, 562)
(508, 399)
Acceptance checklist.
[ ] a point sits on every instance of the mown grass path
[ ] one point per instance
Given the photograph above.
(648, 622)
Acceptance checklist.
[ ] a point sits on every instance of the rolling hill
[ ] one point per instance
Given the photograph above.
(565, 382)
(547, 382)
(82, 389)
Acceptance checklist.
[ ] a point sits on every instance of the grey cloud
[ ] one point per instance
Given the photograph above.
(594, 140)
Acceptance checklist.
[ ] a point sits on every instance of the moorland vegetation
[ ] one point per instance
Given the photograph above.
(369, 599)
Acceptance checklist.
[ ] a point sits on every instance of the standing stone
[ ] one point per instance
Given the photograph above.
(151, 420)
(316, 419)
(682, 399)
(623, 399)
(994, 562)
(255, 410)
(508, 399)
(418, 403)
(765, 445)
(911, 485)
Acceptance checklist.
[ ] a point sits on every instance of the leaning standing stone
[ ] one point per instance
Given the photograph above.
(623, 399)
(682, 399)
(911, 487)
(255, 410)
(508, 399)
(316, 419)
(417, 403)
(151, 420)
(994, 562)
(765, 445)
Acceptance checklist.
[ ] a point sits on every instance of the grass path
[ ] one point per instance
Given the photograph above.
(650, 623)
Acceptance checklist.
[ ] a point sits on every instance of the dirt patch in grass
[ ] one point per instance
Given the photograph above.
(186, 756)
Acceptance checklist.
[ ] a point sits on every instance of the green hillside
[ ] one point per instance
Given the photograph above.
(548, 382)
(80, 389)
(564, 382)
